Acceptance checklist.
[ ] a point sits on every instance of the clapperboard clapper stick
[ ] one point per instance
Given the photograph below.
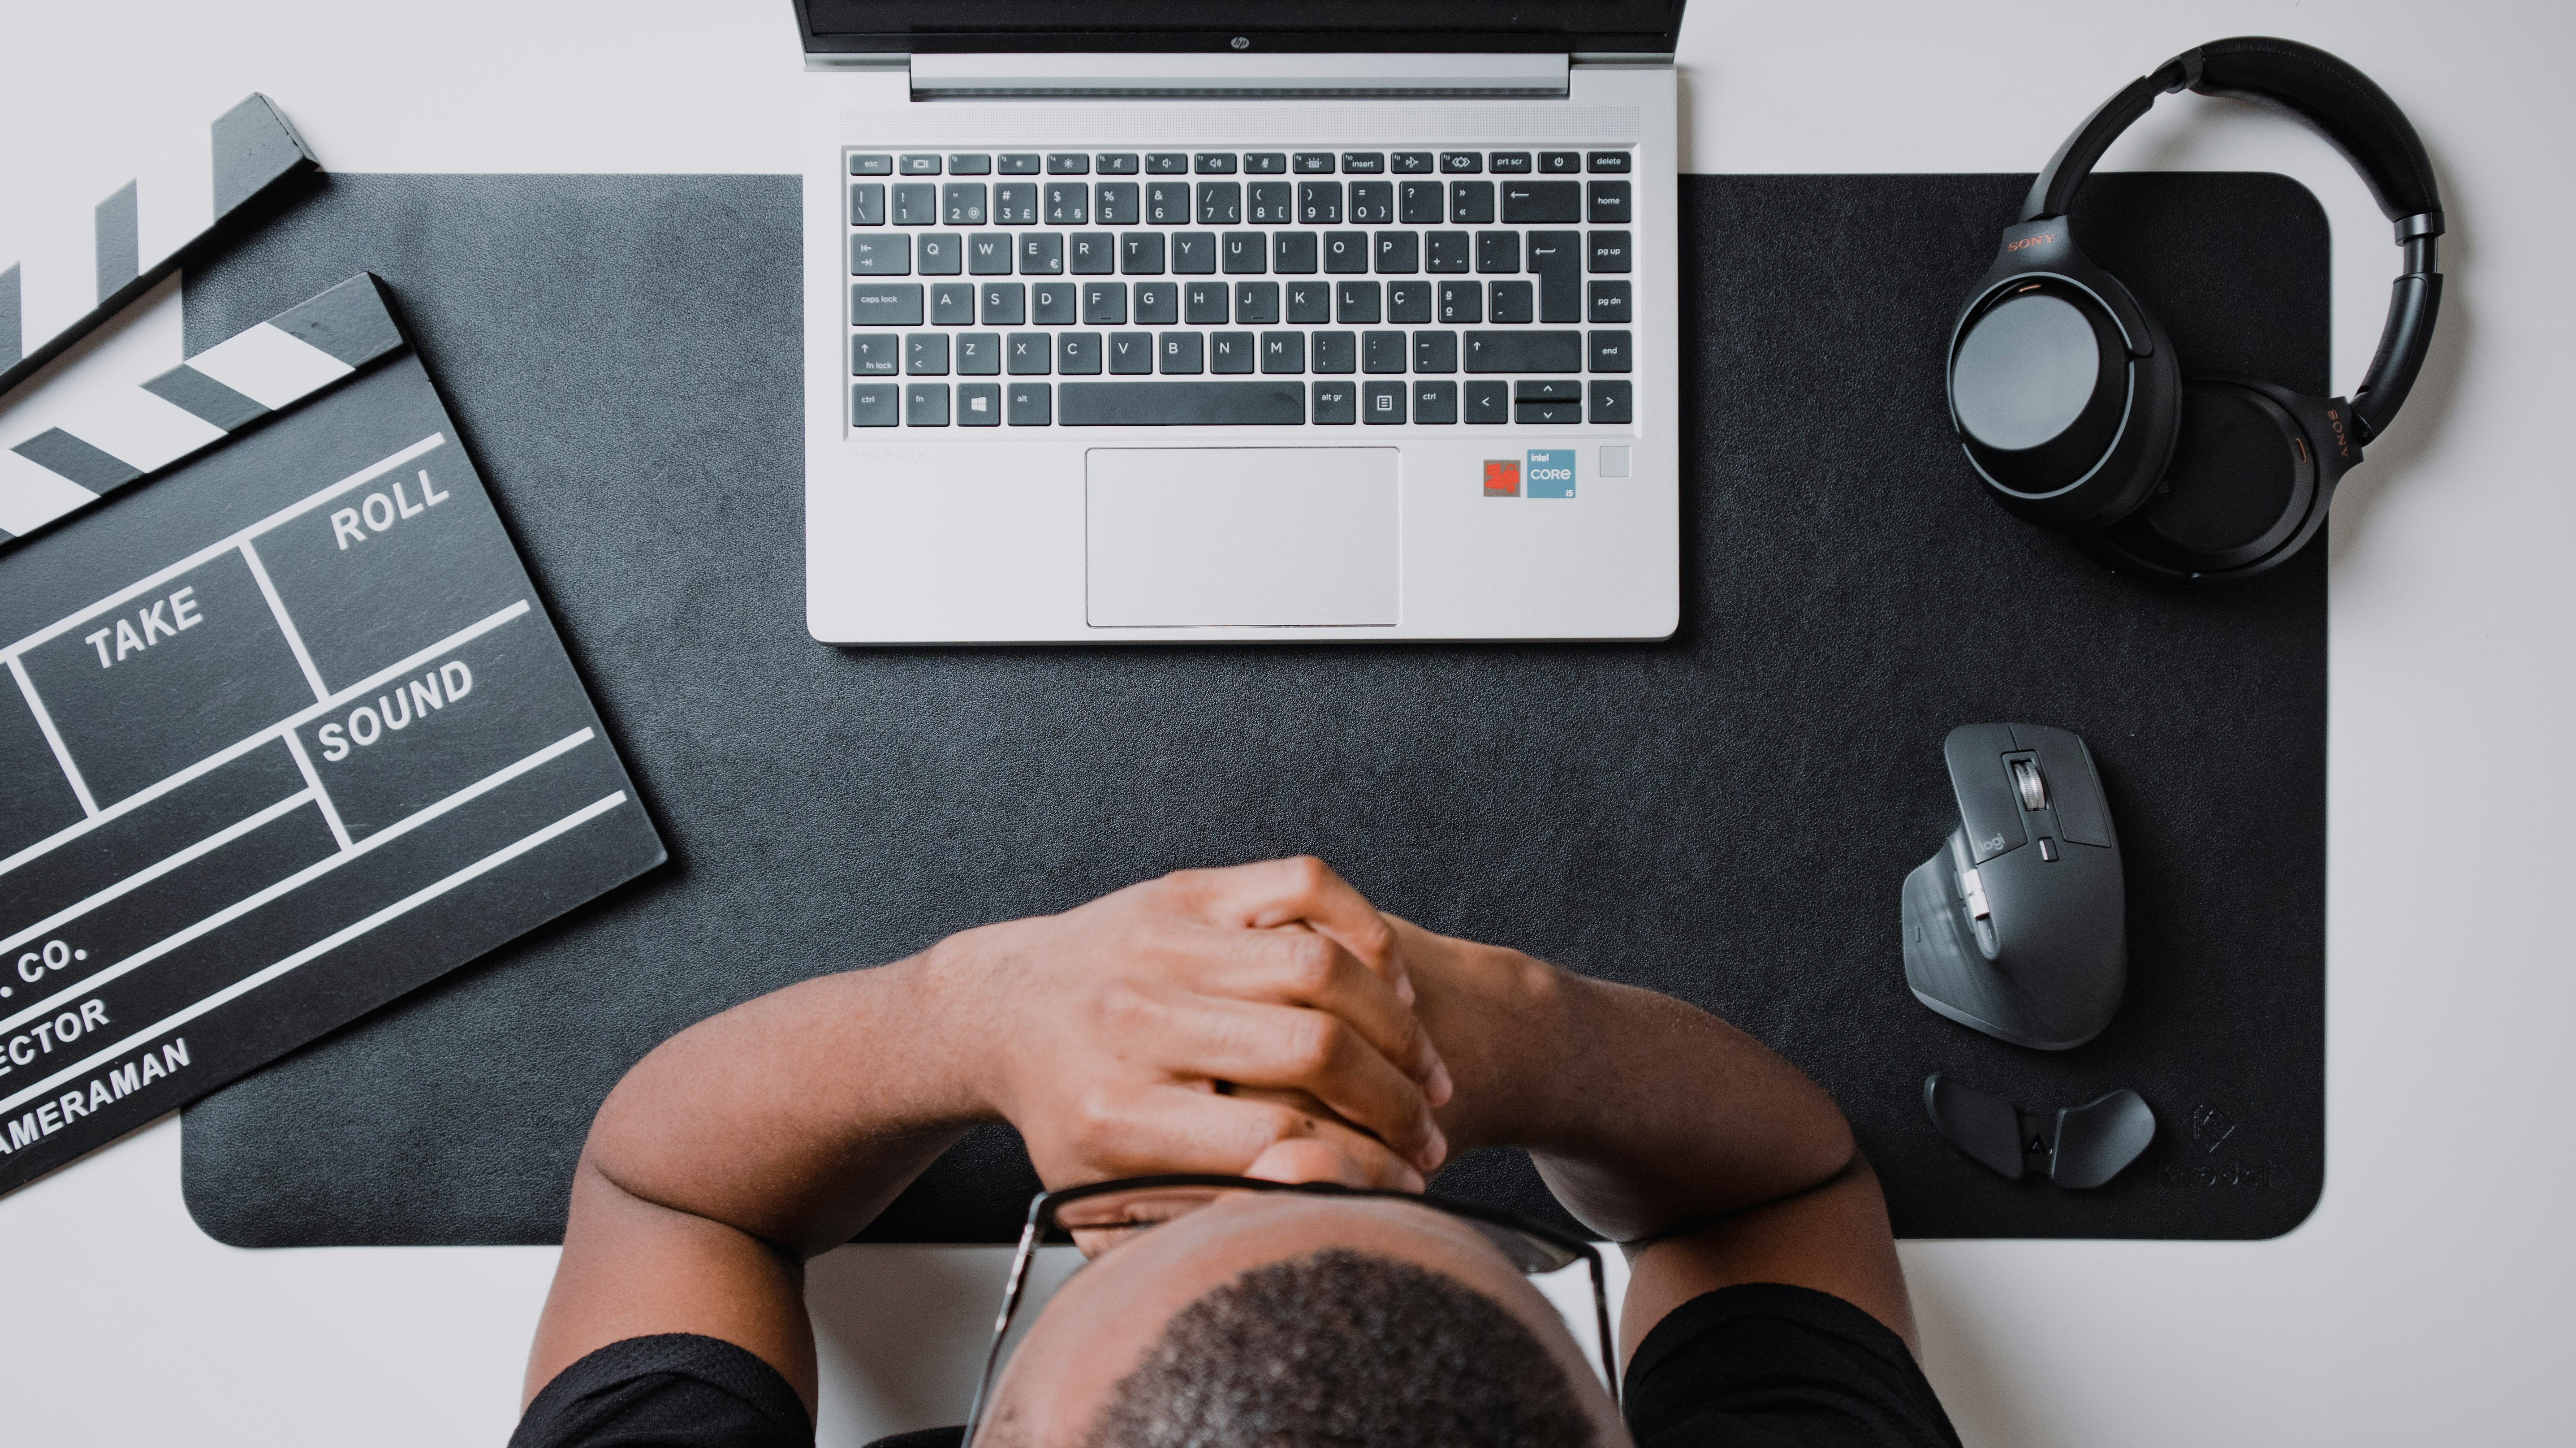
(95, 263)
(285, 732)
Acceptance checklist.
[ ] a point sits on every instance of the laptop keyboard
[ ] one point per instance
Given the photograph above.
(1257, 288)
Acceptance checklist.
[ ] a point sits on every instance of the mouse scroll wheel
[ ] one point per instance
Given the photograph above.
(2027, 783)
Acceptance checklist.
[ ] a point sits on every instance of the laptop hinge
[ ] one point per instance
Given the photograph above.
(937, 77)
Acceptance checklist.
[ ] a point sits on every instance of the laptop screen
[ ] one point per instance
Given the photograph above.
(908, 26)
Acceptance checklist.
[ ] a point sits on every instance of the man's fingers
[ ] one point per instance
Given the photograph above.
(1291, 965)
(1279, 892)
(1179, 1129)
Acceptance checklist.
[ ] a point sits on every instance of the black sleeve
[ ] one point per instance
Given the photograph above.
(674, 1390)
(1765, 1364)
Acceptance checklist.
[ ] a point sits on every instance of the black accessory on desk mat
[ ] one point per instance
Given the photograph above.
(1718, 816)
(2073, 405)
(2080, 1147)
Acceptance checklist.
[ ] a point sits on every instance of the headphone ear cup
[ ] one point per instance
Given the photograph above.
(2242, 484)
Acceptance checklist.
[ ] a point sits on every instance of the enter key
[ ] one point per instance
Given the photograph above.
(1556, 259)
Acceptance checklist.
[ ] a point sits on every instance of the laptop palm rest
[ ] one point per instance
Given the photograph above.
(1199, 537)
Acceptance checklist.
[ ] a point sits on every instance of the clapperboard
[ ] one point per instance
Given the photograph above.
(286, 732)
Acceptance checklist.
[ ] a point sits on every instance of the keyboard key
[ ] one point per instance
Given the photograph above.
(1158, 304)
(1027, 354)
(925, 354)
(1471, 203)
(1337, 404)
(943, 253)
(1220, 203)
(1524, 352)
(1408, 301)
(1448, 251)
(1556, 259)
(1548, 414)
(1613, 402)
(1462, 163)
(1513, 303)
(1536, 390)
(1610, 251)
(1462, 301)
(1609, 302)
(1608, 161)
(1031, 403)
(979, 404)
(1363, 163)
(1059, 164)
(1382, 351)
(1270, 203)
(1283, 352)
(988, 255)
(1372, 203)
(1166, 163)
(867, 203)
(1091, 253)
(1420, 203)
(1488, 401)
(916, 203)
(920, 166)
(1002, 304)
(1256, 304)
(1215, 163)
(875, 404)
(1021, 163)
(1355, 302)
(1265, 163)
(1337, 352)
(1511, 163)
(1104, 304)
(1346, 251)
(1609, 202)
(1610, 351)
(877, 354)
(1052, 304)
(1435, 403)
(1180, 352)
(1313, 163)
(1182, 404)
(1414, 163)
(1015, 203)
(1194, 253)
(1066, 203)
(1435, 351)
(970, 164)
(1382, 403)
(1205, 304)
(1167, 203)
(1309, 303)
(1140, 253)
(1077, 354)
(1292, 253)
(1319, 203)
(1131, 352)
(952, 304)
(885, 304)
(1399, 253)
(871, 165)
(1042, 254)
(1119, 203)
(925, 404)
(1117, 163)
(881, 255)
(1498, 252)
(1230, 352)
(1534, 201)
(1560, 163)
(979, 354)
(1243, 253)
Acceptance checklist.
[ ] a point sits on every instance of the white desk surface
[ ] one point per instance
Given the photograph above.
(2425, 1299)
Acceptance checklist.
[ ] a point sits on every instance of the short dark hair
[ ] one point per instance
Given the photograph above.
(1344, 1349)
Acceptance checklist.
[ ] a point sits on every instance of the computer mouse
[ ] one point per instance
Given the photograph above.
(2019, 926)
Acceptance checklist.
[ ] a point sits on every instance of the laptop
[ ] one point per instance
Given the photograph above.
(1209, 321)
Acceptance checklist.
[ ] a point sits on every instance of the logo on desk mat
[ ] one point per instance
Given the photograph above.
(1502, 479)
(1551, 473)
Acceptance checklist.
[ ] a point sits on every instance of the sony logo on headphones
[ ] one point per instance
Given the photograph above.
(2029, 241)
(2343, 445)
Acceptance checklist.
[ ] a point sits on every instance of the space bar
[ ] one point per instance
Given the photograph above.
(1181, 404)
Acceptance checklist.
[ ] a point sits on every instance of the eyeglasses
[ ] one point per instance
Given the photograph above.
(1102, 1215)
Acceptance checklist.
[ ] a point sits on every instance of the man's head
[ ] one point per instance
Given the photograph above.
(1288, 1320)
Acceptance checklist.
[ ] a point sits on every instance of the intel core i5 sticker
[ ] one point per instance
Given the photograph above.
(1502, 479)
(1551, 473)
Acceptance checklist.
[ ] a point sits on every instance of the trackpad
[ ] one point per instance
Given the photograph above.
(1182, 537)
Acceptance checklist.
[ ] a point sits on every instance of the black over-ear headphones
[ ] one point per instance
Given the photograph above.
(2072, 405)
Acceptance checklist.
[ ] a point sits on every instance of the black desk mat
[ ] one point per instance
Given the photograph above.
(1727, 816)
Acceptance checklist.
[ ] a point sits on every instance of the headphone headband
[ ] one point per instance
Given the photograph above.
(2357, 117)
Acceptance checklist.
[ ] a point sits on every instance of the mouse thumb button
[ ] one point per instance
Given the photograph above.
(2096, 1140)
